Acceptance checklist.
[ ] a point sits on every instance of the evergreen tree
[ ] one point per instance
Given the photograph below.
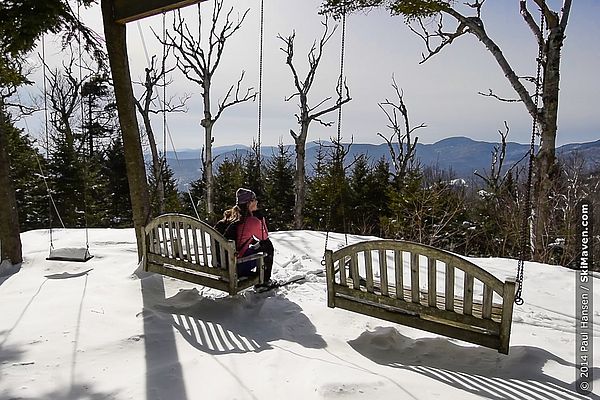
(119, 206)
(95, 188)
(253, 172)
(100, 122)
(172, 200)
(229, 177)
(194, 200)
(380, 189)
(317, 212)
(362, 216)
(279, 190)
(29, 186)
(66, 175)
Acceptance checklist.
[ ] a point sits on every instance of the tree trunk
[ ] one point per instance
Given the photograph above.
(208, 170)
(300, 176)
(116, 46)
(10, 235)
(208, 124)
(545, 163)
(156, 164)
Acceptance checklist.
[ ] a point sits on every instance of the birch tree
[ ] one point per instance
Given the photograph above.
(542, 105)
(308, 113)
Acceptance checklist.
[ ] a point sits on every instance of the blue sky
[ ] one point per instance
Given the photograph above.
(441, 93)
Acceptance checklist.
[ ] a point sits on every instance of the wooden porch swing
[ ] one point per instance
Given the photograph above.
(358, 280)
(429, 289)
(186, 248)
(189, 249)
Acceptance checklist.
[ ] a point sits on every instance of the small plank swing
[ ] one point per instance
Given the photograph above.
(417, 293)
(186, 248)
(76, 254)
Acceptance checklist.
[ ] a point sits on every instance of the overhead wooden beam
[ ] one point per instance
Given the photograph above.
(131, 10)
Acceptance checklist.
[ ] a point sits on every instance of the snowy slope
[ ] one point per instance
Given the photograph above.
(105, 330)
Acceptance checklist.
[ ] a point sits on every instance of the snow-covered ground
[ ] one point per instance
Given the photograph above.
(105, 330)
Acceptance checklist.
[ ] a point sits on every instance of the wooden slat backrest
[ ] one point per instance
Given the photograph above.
(167, 234)
(468, 295)
(414, 278)
(383, 272)
(195, 243)
(456, 311)
(354, 271)
(399, 269)
(417, 254)
(431, 282)
(449, 287)
(186, 235)
(369, 271)
(204, 248)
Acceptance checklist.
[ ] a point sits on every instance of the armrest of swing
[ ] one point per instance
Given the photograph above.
(251, 257)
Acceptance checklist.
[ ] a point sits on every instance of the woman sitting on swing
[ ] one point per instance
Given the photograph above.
(246, 225)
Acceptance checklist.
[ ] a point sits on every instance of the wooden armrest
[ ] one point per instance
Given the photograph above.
(251, 257)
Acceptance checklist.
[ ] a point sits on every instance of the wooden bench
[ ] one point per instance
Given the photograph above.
(186, 248)
(422, 287)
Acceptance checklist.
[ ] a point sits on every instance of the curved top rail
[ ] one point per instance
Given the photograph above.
(193, 222)
(422, 249)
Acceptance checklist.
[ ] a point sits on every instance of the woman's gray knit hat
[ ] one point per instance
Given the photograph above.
(243, 196)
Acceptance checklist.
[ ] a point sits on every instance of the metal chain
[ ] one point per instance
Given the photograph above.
(527, 211)
(339, 129)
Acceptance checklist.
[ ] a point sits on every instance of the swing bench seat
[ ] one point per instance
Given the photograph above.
(422, 287)
(188, 249)
(77, 254)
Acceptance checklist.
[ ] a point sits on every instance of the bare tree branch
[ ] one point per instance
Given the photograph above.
(237, 99)
(402, 130)
(491, 93)
(444, 38)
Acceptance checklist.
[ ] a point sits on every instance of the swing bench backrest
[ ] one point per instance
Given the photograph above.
(422, 287)
(186, 248)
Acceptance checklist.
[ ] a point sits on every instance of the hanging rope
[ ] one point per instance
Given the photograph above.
(260, 81)
(89, 149)
(51, 202)
(50, 199)
(527, 206)
(164, 51)
(339, 124)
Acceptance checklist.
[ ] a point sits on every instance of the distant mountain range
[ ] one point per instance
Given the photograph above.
(463, 155)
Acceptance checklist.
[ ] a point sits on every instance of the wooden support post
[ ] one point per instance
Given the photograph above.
(330, 273)
(127, 10)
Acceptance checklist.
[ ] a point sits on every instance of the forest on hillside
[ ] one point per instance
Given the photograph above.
(360, 196)
(76, 174)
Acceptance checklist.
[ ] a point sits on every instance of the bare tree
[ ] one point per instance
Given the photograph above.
(308, 113)
(64, 101)
(549, 38)
(199, 66)
(404, 159)
(495, 179)
(147, 104)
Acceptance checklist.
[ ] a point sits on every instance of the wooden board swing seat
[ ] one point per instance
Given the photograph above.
(186, 248)
(471, 304)
(77, 254)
